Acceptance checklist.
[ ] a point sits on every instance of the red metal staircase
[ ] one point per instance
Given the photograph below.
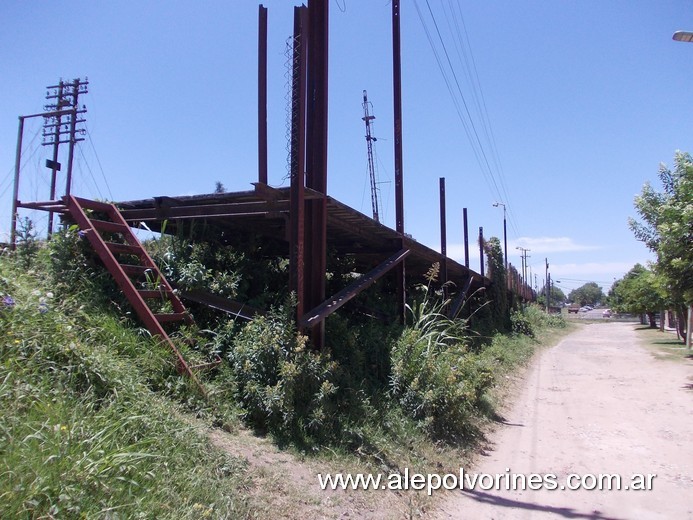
(132, 268)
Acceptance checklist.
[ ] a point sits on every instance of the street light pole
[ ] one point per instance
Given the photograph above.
(687, 37)
(505, 235)
(683, 36)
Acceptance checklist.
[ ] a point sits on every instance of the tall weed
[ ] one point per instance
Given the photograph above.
(284, 387)
(81, 433)
(435, 379)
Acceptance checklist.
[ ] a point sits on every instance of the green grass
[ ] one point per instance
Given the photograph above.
(83, 434)
(663, 345)
(97, 423)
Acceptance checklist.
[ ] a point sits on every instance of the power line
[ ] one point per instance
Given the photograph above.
(496, 182)
(455, 101)
(483, 109)
(98, 161)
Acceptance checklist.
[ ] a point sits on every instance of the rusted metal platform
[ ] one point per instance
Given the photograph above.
(265, 211)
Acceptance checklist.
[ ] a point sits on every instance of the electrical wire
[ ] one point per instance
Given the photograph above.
(463, 42)
(98, 161)
(495, 181)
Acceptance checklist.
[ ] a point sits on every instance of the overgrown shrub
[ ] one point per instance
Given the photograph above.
(81, 433)
(530, 319)
(27, 244)
(434, 377)
(247, 268)
(284, 387)
(74, 271)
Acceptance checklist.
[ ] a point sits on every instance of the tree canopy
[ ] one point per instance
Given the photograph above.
(588, 294)
(557, 296)
(667, 226)
(639, 292)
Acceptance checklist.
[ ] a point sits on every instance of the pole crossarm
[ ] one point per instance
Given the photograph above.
(330, 305)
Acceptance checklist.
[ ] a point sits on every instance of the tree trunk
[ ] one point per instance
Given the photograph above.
(653, 321)
(681, 319)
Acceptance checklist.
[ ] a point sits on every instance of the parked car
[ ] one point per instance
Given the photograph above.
(606, 313)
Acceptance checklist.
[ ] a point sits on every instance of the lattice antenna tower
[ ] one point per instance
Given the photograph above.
(375, 190)
(372, 171)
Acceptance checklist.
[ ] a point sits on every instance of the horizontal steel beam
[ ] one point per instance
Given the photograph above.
(49, 205)
(207, 210)
(220, 303)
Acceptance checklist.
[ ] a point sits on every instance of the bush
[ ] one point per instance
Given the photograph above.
(521, 324)
(81, 434)
(284, 387)
(531, 319)
(27, 243)
(434, 377)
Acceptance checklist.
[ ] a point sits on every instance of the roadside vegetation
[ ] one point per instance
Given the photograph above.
(92, 422)
(665, 228)
(97, 423)
(665, 346)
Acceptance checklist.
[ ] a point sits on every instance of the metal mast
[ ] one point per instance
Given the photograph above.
(375, 192)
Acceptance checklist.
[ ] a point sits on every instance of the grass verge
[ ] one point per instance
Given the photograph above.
(82, 434)
(663, 345)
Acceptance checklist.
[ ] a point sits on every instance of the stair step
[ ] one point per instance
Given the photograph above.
(149, 294)
(95, 205)
(137, 269)
(121, 271)
(113, 227)
(169, 317)
(124, 248)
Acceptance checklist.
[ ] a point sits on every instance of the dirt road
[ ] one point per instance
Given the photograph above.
(596, 403)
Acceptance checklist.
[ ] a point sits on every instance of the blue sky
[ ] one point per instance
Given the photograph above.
(573, 106)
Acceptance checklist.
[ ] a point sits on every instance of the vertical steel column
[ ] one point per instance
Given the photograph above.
(443, 240)
(505, 240)
(466, 237)
(399, 175)
(316, 158)
(297, 203)
(546, 284)
(262, 95)
(481, 250)
(15, 191)
(397, 87)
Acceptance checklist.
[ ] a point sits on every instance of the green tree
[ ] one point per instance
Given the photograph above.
(497, 293)
(557, 297)
(639, 292)
(588, 294)
(667, 230)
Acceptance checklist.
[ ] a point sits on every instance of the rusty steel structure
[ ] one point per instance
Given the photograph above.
(300, 220)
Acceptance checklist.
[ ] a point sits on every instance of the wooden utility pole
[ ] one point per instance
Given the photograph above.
(60, 127)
